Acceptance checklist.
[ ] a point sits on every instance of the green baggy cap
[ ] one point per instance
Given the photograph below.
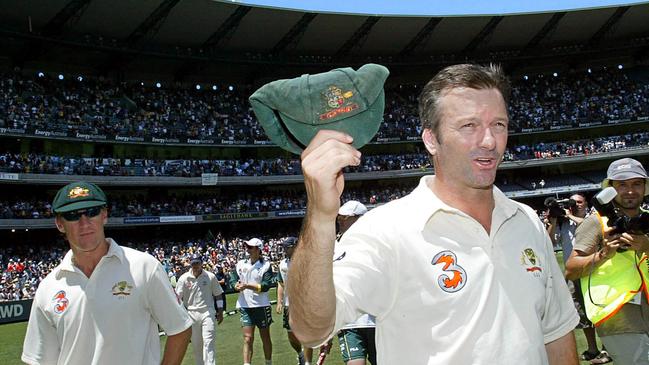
(78, 195)
(292, 111)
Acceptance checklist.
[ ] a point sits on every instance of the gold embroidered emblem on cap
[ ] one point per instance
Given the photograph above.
(78, 192)
(334, 96)
(336, 99)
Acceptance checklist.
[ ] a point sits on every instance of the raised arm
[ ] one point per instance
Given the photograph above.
(313, 302)
(592, 248)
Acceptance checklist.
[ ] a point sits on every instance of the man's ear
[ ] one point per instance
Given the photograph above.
(104, 215)
(430, 141)
(59, 224)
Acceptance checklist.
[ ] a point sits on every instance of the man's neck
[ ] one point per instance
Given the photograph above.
(631, 212)
(88, 261)
(477, 203)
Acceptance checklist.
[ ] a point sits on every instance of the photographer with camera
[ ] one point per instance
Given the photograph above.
(611, 262)
(564, 216)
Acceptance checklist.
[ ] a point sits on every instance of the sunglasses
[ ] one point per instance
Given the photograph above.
(75, 215)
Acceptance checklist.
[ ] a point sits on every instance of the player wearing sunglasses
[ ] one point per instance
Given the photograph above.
(104, 302)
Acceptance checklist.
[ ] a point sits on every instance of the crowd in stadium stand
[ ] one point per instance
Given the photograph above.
(135, 206)
(45, 164)
(100, 107)
(577, 97)
(199, 203)
(125, 109)
(22, 268)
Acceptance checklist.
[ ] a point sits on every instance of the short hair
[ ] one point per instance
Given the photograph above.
(581, 195)
(462, 75)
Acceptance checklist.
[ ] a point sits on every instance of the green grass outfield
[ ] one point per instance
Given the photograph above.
(228, 341)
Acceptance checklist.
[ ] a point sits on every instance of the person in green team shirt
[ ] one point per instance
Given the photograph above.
(252, 278)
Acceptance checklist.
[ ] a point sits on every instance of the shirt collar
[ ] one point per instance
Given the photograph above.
(426, 204)
(114, 250)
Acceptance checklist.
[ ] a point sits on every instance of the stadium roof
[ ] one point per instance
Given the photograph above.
(184, 38)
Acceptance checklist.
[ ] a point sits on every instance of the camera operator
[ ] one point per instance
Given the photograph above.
(612, 281)
(562, 226)
(563, 223)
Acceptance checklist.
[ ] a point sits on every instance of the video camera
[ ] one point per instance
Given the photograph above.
(603, 203)
(557, 207)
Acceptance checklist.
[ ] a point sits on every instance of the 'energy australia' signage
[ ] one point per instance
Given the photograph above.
(90, 136)
(200, 141)
(129, 139)
(12, 130)
(39, 132)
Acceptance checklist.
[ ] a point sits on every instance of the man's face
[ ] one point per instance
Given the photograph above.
(629, 192)
(471, 138)
(581, 204)
(86, 233)
(197, 267)
(289, 251)
(345, 221)
(252, 250)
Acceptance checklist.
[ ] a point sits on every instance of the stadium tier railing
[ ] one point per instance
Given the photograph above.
(214, 180)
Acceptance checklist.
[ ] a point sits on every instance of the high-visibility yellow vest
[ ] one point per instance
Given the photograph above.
(614, 283)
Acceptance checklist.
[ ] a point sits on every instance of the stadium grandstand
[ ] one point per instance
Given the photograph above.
(149, 100)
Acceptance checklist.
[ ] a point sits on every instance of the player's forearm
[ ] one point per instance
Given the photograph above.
(176, 347)
(552, 226)
(280, 293)
(579, 265)
(313, 302)
(562, 351)
(574, 218)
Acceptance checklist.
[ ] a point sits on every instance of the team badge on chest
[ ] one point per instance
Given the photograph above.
(122, 289)
(531, 262)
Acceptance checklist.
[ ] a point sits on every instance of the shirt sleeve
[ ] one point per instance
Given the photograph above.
(234, 277)
(588, 235)
(279, 279)
(41, 345)
(180, 288)
(267, 280)
(560, 316)
(216, 287)
(163, 304)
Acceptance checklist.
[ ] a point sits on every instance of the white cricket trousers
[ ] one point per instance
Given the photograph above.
(203, 337)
